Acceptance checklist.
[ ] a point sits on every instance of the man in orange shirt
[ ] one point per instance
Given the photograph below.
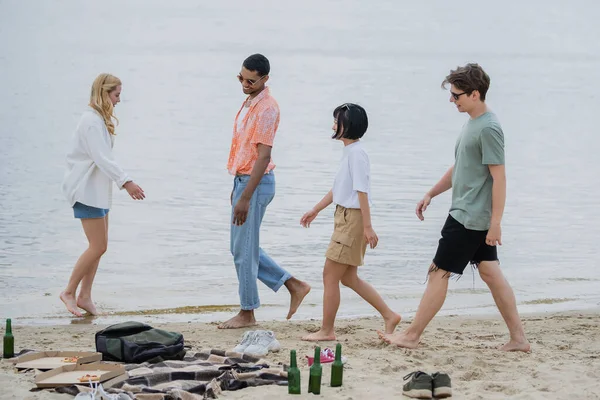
(253, 189)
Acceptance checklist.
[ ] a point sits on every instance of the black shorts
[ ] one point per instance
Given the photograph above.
(460, 246)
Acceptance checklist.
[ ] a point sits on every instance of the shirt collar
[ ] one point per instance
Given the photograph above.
(351, 146)
(265, 92)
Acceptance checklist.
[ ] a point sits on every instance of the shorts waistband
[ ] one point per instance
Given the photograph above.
(339, 207)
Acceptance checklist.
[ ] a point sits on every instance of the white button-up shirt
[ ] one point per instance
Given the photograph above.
(91, 167)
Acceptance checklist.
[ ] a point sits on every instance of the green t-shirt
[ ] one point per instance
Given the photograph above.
(481, 143)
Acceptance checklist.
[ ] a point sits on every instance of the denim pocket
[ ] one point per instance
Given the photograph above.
(265, 193)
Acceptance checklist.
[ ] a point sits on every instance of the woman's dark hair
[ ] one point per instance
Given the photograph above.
(352, 121)
(258, 63)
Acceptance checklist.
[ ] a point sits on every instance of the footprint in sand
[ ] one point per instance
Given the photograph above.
(473, 375)
(504, 389)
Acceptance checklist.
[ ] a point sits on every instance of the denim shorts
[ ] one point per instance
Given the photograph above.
(82, 211)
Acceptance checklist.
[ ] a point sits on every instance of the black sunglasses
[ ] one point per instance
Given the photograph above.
(457, 95)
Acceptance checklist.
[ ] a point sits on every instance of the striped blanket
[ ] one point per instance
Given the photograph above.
(200, 375)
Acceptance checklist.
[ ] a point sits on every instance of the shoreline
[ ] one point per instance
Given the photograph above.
(564, 362)
(276, 313)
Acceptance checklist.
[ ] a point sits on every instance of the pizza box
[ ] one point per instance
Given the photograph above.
(112, 382)
(47, 360)
(69, 374)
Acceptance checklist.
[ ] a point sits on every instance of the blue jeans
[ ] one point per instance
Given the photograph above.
(251, 262)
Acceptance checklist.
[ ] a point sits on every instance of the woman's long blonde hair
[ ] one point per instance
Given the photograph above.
(99, 100)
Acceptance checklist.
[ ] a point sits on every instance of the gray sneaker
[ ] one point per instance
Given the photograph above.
(442, 386)
(247, 339)
(419, 387)
(262, 343)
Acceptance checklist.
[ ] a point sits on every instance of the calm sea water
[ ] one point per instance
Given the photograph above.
(179, 60)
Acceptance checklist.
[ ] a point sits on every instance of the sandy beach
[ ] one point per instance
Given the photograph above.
(169, 258)
(564, 363)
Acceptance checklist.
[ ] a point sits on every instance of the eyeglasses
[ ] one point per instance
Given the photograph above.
(251, 82)
(456, 96)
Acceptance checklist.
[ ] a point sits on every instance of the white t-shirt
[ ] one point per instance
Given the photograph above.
(240, 118)
(353, 176)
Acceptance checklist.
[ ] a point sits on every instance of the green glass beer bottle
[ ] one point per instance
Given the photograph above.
(9, 341)
(337, 369)
(293, 375)
(314, 377)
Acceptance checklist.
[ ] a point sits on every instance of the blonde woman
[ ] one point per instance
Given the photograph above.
(91, 171)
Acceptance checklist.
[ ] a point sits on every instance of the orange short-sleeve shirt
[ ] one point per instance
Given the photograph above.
(259, 125)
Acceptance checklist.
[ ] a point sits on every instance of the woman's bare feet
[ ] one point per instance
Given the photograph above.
(391, 322)
(298, 291)
(245, 318)
(320, 336)
(399, 339)
(87, 305)
(513, 345)
(70, 303)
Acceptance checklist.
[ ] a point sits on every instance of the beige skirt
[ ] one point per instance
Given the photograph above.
(348, 244)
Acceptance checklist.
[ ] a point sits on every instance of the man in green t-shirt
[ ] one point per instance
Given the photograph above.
(472, 230)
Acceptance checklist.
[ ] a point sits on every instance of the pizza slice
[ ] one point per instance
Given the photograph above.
(88, 377)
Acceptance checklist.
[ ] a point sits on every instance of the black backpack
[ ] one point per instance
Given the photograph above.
(134, 342)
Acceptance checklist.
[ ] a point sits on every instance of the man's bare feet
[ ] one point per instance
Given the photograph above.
(320, 336)
(298, 291)
(71, 304)
(391, 322)
(399, 339)
(513, 345)
(245, 318)
(87, 305)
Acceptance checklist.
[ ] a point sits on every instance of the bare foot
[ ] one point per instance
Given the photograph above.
(512, 345)
(87, 305)
(71, 304)
(391, 323)
(399, 339)
(320, 336)
(242, 320)
(298, 292)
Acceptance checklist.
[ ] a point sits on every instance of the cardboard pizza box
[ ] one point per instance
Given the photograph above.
(70, 374)
(47, 360)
